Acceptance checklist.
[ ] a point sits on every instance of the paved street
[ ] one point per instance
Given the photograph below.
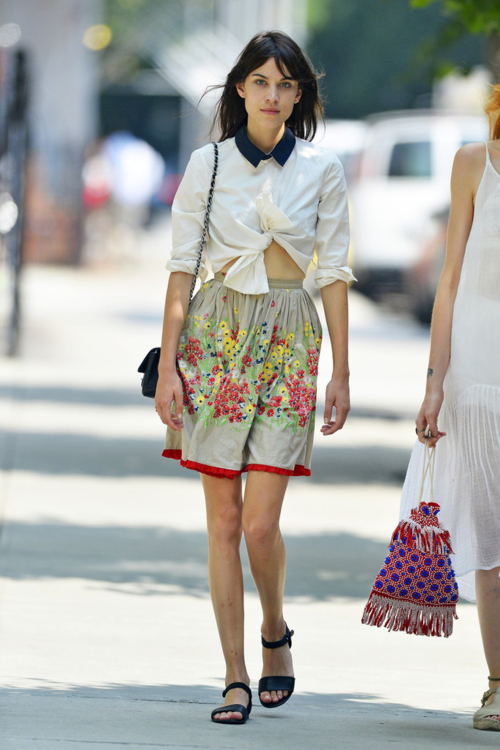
(107, 637)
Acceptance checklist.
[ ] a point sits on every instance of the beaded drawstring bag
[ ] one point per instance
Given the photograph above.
(416, 591)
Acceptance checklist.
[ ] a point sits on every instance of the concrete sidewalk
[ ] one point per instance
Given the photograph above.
(107, 637)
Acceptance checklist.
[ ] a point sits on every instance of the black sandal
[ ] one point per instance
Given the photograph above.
(244, 710)
(266, 684)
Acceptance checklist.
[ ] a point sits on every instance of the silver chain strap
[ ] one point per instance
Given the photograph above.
(207, 219)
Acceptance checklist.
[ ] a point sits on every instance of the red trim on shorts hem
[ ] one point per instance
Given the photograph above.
(211, 471)
(299, 471)
(216, 471)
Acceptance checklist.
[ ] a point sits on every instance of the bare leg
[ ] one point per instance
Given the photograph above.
(224, 510)
(264, 494)
(488, 608)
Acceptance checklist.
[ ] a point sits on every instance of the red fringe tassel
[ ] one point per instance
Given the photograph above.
(409, 617)
(424, 539)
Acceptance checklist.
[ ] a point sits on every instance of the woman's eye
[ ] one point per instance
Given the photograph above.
(286, 84)
(259, 81)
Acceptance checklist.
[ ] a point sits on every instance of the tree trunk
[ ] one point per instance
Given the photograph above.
(493, 57)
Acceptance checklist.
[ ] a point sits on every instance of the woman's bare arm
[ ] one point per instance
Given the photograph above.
(334, 298)
(169, 388)
(466, 176)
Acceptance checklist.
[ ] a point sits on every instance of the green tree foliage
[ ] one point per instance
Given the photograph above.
(477, 16)
(379, 54)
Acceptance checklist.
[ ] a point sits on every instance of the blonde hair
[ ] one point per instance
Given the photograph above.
(492, 109)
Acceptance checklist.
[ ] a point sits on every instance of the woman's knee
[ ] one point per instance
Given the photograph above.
(260, 531)
(224, 524)
(489, 578)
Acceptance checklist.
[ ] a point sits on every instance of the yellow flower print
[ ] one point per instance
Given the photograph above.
(207, 324)
(280, 350)
(265, 342)
(296, 363)
(242, 333)
(232, 365)
(223, 325)
(317, 342)
(279, 361)
(236, 311)
(249, 409)
(200, 400)
(291, 336)
(283, 391)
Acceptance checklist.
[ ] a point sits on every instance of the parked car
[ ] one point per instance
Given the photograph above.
(403, 185)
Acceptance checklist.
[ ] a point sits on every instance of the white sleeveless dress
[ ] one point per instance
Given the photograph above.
(467, 473)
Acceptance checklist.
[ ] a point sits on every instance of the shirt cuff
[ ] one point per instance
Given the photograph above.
(187, 266)
(325, 276)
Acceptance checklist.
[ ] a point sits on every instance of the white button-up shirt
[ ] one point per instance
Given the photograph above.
(296, 196)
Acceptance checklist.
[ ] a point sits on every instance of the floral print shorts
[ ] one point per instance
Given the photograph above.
(249, 365)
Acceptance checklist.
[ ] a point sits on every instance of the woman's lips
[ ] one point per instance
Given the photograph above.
(270, 111)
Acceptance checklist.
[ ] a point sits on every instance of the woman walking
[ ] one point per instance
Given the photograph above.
(242, 396)
(463, 390)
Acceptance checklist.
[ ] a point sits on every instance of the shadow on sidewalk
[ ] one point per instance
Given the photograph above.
(56, 453)
(150, 561)
(178, 716)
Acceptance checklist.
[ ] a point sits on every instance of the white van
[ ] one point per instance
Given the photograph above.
(403, 181)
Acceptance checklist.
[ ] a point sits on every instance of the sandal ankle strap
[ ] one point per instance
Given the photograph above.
(493, 679)
(486, 695)
(237, 685)
(287, 638)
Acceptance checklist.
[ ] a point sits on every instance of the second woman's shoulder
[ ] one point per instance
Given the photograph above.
(469, 164)
(471, 155)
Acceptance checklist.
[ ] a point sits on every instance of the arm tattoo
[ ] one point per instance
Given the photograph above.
(430, 372)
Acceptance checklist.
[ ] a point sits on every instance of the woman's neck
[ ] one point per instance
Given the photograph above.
(264, 138)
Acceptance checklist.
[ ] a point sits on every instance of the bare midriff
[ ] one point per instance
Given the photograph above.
(279, 264)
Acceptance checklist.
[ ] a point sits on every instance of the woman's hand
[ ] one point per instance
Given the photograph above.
(337, 395)
(428, 416)
(168, 392)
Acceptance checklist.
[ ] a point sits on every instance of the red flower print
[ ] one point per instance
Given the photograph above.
(270, 412)
(273, 304)
(300, 373)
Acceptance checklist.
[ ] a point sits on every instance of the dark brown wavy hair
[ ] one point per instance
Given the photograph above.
(292, 62)
(492, 109)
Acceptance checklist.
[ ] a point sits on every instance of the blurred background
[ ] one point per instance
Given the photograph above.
(99, 111)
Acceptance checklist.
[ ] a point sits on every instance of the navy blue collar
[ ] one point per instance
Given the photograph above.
(254, 155)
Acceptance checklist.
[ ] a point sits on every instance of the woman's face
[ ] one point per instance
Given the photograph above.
(269, 97)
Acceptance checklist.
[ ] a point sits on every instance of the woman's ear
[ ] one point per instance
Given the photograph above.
(298, 97)
(240, 88)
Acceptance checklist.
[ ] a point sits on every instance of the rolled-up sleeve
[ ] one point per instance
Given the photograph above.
(188, 214)
(332, 230)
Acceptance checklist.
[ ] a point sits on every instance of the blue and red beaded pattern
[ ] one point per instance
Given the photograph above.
(421, 578)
